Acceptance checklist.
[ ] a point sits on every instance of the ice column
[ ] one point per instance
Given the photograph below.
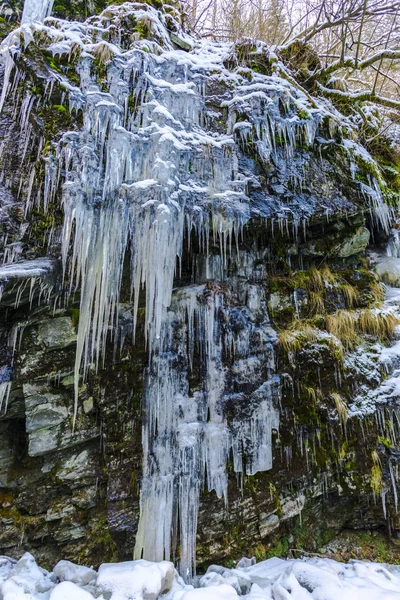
(183, 436)
(187, 439)
(36, 11)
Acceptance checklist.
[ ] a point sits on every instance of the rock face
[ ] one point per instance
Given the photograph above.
(192, 331)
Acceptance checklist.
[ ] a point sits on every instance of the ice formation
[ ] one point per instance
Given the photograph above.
(152, 174)
(5, 389)
(36, 11)
(186, 436)
(274, 579)
(149, 170)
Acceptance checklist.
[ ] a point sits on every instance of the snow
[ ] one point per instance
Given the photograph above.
(217, 592)
(383, 362)
(137, 579)
(26, 269)
(25, 580)
(68, 571)
(273, 579)
(69, 591)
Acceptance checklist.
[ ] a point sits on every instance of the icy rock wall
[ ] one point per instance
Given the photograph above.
(150, 168)
(143, 170)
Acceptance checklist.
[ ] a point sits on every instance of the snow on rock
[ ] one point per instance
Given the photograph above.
(68, 571)
(32, 276)
(25, 581)
(69, 591)
(273, 579)
(214, 592)
(378, 360)
(26, 269)
(6, 566)
(136, 579)
(318, 579)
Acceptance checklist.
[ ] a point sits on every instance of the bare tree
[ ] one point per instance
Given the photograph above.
(348, 50)
(268, 21)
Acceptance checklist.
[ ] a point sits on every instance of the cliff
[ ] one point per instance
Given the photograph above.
(197, 351)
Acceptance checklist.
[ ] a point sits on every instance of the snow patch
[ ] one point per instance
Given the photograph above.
(273, 579)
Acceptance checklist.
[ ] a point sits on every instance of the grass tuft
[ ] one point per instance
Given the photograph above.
(341, 407)
(351, 295)
(376, 474)
(380, 325)
(292, 340)
(342, 325)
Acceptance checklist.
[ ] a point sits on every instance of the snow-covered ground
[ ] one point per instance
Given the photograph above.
(273, 579)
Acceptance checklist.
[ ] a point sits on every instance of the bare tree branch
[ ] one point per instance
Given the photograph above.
(359, 96)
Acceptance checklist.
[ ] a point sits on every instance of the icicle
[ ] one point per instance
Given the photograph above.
(383, 498)
(394, 487)
(7, 50)
(5, 389)
(139, 175)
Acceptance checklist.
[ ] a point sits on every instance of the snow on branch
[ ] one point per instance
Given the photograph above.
(362, 96)
(352, 63)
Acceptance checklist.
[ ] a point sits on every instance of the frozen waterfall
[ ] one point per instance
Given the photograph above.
(35, 11)
(187, 438)
(150, 174)
(147, 173)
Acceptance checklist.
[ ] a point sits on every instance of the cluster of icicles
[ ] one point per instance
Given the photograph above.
(142, 173)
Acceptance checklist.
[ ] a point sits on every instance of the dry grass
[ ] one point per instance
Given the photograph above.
(351, 295)
(347, 324)
(315, 281)
(42, 39)
(375, 458)
(74, 52)
(103, 52)
(377, 291)
(342, 325)
(292, 340)
(337, 349)
(313, 394)
(316, 303)
(390, 280)
(376, 474)
(302, 333)
(327, 275)
(380, 325)
(341, 407)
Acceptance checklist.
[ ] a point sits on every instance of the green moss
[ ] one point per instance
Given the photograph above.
(366, 545)
(280, 548)
(100, 71)
(101, 540)
(75, 313)
(142, 29)
(40, 224)
(303, 114)
(376, 479)
(60, 109)
(385, 442)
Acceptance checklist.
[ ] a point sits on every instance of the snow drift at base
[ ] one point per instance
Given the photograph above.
(273, 579)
